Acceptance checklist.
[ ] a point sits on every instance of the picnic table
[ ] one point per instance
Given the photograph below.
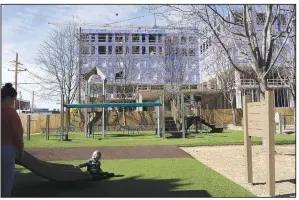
(131, 129)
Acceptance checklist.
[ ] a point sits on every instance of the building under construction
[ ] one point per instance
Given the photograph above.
(138, 62)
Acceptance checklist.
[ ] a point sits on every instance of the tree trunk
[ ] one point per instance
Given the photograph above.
(294, 114)
(234, 116)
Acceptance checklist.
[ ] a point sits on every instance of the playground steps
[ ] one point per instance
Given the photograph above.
(170, 124)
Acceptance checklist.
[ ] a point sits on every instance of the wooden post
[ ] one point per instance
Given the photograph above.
(67, 124)
(47, 127)
(28, 127)
(61, 118)
(247, 142)
(183, 115)
(163, 115)
(270, 143)
(158, 119)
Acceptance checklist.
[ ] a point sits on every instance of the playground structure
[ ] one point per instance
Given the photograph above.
(186, 113)
(259, 122)
(92, 113)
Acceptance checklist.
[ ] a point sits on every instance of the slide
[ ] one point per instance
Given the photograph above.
(52, 171)
(192, 119)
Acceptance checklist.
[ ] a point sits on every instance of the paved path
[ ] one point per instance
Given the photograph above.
(108, 153)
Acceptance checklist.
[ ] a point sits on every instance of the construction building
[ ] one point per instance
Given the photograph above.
(138, 62)
(243, 85)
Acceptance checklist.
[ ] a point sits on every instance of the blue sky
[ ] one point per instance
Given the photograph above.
(25, 28)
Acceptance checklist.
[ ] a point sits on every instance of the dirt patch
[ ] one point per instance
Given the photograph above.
(230, 162)
(124, 152)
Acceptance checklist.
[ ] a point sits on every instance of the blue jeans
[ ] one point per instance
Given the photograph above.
(8, 156)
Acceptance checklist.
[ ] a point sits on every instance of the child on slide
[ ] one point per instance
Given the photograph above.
(94, 167)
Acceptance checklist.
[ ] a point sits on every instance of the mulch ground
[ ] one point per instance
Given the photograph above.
(109, 153)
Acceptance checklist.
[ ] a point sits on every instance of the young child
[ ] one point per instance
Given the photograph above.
(94, 167)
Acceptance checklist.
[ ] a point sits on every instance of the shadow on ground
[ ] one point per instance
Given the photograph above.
(30, 185)
(281, 181)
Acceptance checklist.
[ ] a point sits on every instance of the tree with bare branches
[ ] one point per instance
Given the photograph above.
(259, 32)
(58, 58)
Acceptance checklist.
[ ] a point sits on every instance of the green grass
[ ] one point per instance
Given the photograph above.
(183, 177)
(149, 138)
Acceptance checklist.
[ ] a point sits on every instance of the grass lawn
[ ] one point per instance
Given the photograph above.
(184, 177)
(149, 138)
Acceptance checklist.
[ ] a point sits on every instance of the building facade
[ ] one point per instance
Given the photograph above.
(140, 58)
(209, 49)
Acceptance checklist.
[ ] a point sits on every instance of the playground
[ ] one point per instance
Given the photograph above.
(148, 163)
(145, 166)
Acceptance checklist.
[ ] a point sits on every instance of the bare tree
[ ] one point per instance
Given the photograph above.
(125, 72)
(287, 70)
(171, 65)
(220, 68)
(258, 32)
(58, 58)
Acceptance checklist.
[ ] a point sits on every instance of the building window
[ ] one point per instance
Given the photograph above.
(160, 51)
(183, 40)
(143, 50)
(127, 37)
(192, 40)
(85, 50)
(282, 19)
(135, 50)
(93, 37)
(135, 37)
(109, 49)
(159, 38)
(93, 50)
(210, 41)
(260, 18)
(118, 38)
(84, 61)
(184, 51)
(143, 38)
(85, 37)
(102, 50)
(102, 37)
(119, 49)
(110, 37)
(176, 51)
(152, 38)
(238, 18)
(192, 52)
(201, 49)
(127, 50)
(152, 50)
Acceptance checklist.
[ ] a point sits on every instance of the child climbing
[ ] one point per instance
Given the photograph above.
(94, 167)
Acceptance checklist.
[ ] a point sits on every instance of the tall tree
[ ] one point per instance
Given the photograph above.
(258, 32)
(58, 58)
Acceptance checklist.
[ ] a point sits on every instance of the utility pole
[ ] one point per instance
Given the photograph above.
(20, 101)
(16, 73)
(32, 101)
(79, 60)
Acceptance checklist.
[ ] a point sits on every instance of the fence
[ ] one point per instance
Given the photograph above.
(225, 116)
(133, 118)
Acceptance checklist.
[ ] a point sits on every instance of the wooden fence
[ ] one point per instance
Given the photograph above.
(225, 116)
(38, 121)
(217, 116)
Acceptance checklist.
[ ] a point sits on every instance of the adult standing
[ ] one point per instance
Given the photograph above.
(12, 145)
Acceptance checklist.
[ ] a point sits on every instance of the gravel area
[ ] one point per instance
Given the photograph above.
(230, 162)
